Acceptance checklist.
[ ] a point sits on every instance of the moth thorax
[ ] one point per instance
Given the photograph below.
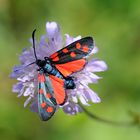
(41, 63)
(48, 67)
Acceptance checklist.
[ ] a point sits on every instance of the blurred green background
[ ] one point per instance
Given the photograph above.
(115, 25)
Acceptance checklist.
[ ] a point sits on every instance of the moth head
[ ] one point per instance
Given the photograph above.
(40, 63)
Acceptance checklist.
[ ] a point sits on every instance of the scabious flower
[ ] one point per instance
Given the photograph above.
(48, 44)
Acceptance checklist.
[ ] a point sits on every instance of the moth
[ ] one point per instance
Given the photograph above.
(54, 74)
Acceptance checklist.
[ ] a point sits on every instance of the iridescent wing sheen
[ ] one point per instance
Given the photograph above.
(75, 51)
(46, 99)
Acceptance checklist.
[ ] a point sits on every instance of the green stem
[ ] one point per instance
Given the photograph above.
(99, 119)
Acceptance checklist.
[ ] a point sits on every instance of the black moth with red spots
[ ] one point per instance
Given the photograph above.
(54, 74)
(46, 99)
(76, 50)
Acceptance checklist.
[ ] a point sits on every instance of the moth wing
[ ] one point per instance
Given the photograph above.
(59, 90)
(70, 67)
(46, 99)
(75, 51)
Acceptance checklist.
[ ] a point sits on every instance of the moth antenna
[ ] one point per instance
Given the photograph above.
(33, 38)
(25, 66)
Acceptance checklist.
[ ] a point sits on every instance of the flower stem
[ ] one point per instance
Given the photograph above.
(135, 121)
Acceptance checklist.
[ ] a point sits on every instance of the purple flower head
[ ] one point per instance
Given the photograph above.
(48, 44)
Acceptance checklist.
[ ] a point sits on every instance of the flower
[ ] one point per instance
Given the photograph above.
(27, 74)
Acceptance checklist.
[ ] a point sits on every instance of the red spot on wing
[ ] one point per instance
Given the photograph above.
(54, 55)
(41, 78)
(49, 109)
(65, 50)
(41, 91)
(85, 49)
(78, 45)
(71, 67)
(72, 54)
(43, 105)
(56, 58)
(58, 87)
(48, 95)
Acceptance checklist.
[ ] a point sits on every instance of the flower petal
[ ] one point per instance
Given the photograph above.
(17, 87)
(17, 71)
(96, 65)
(91, 95)
(95, 50)
(71, 108)
(83, 99)
(70, 39)
(27, 101)
(54, 36)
